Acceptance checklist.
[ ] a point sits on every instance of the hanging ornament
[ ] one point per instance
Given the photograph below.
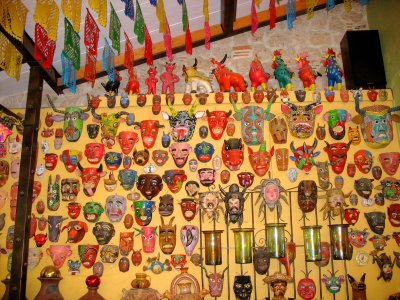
(108, 60)
(71, 44)
(330, 4)
(44, 47)
(46, 14)
(68, 73)
(207, 33)
(272, 14)
(13, 17)
(164, 28)
(10, 58)
(91, 37)
(347, 5)
(129, 58)
(310, 8)
(148, 47)
(90, 68)
(254, 18)
(129, 9)
(138, 29)
(115, 29)
(72, 10)
(100, 7)
(290, 13)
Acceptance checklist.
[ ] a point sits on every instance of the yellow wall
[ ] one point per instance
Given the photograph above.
(113, 281)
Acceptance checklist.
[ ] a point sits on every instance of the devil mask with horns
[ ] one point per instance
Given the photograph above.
(337, 154)
(304, 156)
(234, 204)
(217, 121)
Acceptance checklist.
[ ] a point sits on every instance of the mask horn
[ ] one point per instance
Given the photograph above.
(222, 275)
(358, 109)
(54, 107)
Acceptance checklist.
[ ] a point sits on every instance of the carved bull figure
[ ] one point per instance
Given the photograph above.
(376, 122)
(195, 81)
(226, 78)
(73, 118)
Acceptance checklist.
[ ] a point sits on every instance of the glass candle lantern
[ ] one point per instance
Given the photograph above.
(340, 244)
(212, 245)
(243, 245)
(312, 242)
(276, 239)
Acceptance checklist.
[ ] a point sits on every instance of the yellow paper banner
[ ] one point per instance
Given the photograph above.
(205, 11)
(46, 14)
(10, 58)
(13, 17)
(160, 12)
(100, 7)
(72, 10)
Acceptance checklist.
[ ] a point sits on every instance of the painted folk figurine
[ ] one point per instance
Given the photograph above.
(168, 79)
(278, 283)
(281, 72)
(306, 74)
(151, 80)
(226, 78)
(258, 76)
(333, 70)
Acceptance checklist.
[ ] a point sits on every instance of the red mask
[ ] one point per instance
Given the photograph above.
(90, 178)
(188, 207)
(390, 162)
(76, 231)
(304, 156)
(233, 153)
(261, 159)
(394, 214)
(74, 209)
(88, 254)
(337, 154)
(174, 179)
(70, 158)
(396, 237)
(51, 161)
(127, 140)
(246, 179)
(148, 131)
(217, 121)
(148, 238)
(94, 152)
(351, 215)
(306, 288)
(180, 153)
(363, 160)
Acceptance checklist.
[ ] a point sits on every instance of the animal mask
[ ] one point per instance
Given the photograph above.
(103, 231)
(180, 153)
(336, 119)
(260, 160)
(174, 179)
(160, 157)
(90, 178)
(304, 156)
(301, 119)
(261, 260)
(204, 151)
(70, 158)
(337, 154)
(307, 195)
(358, 238)
(115, 207)
(278, 129)
(143, 211)
(217, 121)
(364, 187)
(141, 157)
(233, 153)
(127, 178)
(333, 283)
(363, 160)
(390, 162)
(376, 221)
(167, 234)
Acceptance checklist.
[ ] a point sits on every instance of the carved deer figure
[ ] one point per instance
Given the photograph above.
(359, 287)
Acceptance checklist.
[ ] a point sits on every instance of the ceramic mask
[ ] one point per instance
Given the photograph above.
(337, 154)
(336, 119)
(103, 231)
(304, 156)
(301, 119)
(234, 204)
(333, 284)
(160, 157)
(390, 162)
(166, 205)
(233, 153)
(113, 160)
(70, 158)
(307, 195)
(320, 132)
(183, 123)
(150, 185)
(363, 160)
(141, 157)
(351, 215)
(358, 238)
(207, 176)
(188, 208)
(376, 123)
(245, 179)
(92, 211)
(34, 257)
(325, 253)
(148, 238)
(204, 151)
(306, 288)
(192, 188)
(93, 130)
(115, 207)
(4, 172)
(180, 153)
(53, 194)
(76, 231)
(58, 254)
(189, 238)
(323, 174)
(94, 152)
(217, 122)
(376, 221)
(73, 118)
(90, 178)
(391, 188)
(125, 243)
(109, 253)
(193, 165)
(143, 211)
(50, 161)
(393, 213)
(167, 236)
(363, 187)
(278, 130)
(174, 179)
(88, 254)
(74, 209)
(58, 139)
(98, 269)
(261, 260)
(260, 160)
(242, 287)
(127, 178)
(69, 189)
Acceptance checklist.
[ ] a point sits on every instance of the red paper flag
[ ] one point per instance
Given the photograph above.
(90, 67)
(188, 40)
(148, 47)
(44, 47)
(272, 14)
(129, 57)
(254, 19)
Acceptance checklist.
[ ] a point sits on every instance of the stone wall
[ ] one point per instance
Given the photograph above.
(323, 31)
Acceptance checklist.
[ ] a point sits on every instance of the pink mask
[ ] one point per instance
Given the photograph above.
(180, 153)
(58, 254)
(189, 238)
(390, 162)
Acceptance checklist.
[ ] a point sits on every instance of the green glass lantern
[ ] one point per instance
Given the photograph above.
(340, 244)
(276, 239)
(312, 242)
(243, 245)
(212, 245)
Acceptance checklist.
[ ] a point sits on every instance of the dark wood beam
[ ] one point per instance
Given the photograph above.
(228, 15)
(26, 47)
(25, 185)
(9, 112)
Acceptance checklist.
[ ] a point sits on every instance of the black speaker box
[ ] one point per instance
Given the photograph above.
(362, 59)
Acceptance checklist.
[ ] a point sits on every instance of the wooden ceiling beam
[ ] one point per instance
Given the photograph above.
(26, 48)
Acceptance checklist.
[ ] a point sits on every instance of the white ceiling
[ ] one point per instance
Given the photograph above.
(9, 86)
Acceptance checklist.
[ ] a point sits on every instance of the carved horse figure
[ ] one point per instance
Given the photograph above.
(306, 73)
(281, 72)
(333, 70)
(359, 287)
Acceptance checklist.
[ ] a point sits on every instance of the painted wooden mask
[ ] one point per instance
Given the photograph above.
(307, 195)
(167, 236)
